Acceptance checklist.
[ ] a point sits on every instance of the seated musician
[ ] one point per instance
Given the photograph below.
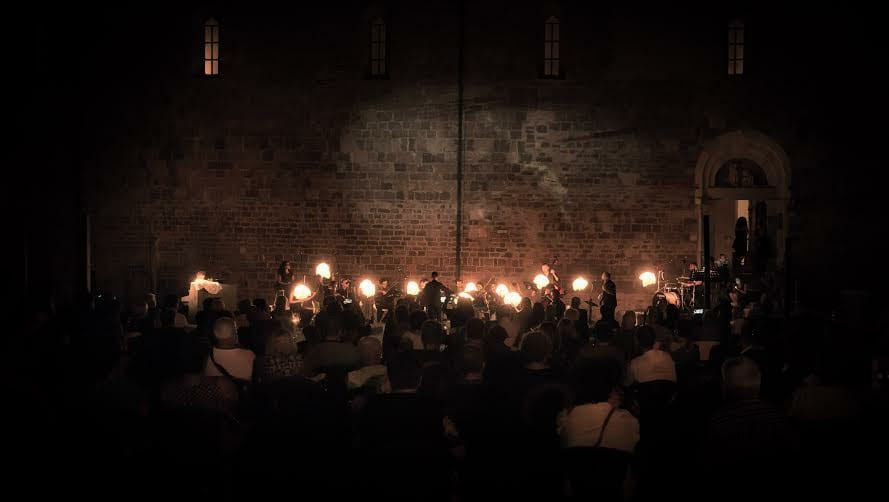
(385, 299)
(694, 277)
(740, 287)
(344, 290)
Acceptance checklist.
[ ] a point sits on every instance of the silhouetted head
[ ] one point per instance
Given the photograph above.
(225, 331)
(432, 335)
(628, 321)
(646, 337)
(741, 379)
(537, 347)
(525, 305)
(332, 326)
(370, 350)
(472, 361)
(595, 381)
(417, 318)
(405, 372)
(475, 329)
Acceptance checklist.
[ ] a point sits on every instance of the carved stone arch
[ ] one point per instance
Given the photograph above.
(767, 154)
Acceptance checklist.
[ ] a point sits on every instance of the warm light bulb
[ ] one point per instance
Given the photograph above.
(502, 290)
(471, 287)
(367, 288)
(580, 284)
(465, 296)
(323, 270)
(301, 292)
(541, 281)
(413, 288)
(647, 279)
(513, 299)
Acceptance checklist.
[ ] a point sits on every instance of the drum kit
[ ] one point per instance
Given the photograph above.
(682, 292)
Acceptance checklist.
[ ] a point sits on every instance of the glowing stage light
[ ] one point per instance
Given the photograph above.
(301, 292)
(412, 288)
(466, 296)
(513, 299)
(323, 270)
(580, 284)
(647, 278)
(502, 290)
(367, 288)
(541, 281)
(471, 287)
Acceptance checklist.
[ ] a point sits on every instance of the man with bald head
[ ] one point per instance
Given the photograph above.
(372, 373)
(227, 354)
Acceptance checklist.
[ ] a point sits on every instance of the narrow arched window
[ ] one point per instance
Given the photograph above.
(211, 47)
(378, 48)
(551, 47)
(736, 47)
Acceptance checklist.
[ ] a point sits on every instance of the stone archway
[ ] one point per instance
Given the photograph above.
(763, 152)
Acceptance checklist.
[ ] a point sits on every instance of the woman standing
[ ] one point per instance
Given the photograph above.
(739, 246)
(284, 279)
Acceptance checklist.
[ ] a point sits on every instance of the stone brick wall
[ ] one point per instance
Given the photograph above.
(294, 155)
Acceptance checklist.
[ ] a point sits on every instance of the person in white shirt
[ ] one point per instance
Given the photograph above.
(372, 372)
(227, 353)
(597, 422)
(654, 364)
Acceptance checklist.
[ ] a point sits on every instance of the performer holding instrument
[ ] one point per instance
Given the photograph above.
(608, 297)
(385, 300)
(549, 271)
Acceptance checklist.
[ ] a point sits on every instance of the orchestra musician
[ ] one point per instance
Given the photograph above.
(433, 291)
(550, 273)
(739, 287)
(385, 299)
(421, 298)
(608, 297)
(285, 278)
(344, 290)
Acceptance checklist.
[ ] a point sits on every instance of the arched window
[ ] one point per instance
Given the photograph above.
(551, 47)
(211, 47)
(736, 47)
(378, 48)
(741, 173)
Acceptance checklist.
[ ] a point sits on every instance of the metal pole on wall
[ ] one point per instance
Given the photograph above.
(460, 141)
(706, 232)
(88, 246)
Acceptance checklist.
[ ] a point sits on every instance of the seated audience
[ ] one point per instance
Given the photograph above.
(654, 364)
(227, 358)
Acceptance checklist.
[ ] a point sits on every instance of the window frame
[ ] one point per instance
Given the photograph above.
(379, 41)
(736, 44)
(552, 67)
(210, 41)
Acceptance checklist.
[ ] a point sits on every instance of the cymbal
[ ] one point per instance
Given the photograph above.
(683, 279)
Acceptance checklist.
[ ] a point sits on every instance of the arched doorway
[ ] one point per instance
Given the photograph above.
(743, 173)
